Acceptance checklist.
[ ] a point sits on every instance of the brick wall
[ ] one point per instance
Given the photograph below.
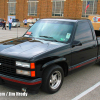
(5, 9)
(98, 7)
(20, 9)
(2, 11)
(78, 9)
(49, 8)
(72, 9)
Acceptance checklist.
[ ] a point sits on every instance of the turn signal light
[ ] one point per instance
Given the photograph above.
(32, 73)
(32, 66)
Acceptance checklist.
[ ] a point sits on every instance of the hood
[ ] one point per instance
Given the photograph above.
(26, 47)
(14, 22)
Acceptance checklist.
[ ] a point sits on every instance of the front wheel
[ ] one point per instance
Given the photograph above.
(52, 79)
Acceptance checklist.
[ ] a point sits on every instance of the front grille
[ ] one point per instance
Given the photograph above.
(6, 60)
(7, 66)
(7, 70)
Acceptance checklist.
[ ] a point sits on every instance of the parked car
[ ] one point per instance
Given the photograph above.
(31, 21)
(1, 20)
(30, 25)
(15, 23)
(47, 52)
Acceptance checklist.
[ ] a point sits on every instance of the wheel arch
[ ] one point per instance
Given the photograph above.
(60, 61)
(64, 66)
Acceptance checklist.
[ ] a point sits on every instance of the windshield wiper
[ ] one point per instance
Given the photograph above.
(49, 37)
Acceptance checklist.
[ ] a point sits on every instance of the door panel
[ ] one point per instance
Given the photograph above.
(88, 49)
(84, 52)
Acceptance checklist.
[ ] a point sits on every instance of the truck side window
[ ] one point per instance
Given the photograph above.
(83, 32)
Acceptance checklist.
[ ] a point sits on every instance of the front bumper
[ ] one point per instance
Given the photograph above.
(32, 85)
(13, 25)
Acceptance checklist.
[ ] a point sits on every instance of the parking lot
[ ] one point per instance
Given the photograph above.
(83, 84)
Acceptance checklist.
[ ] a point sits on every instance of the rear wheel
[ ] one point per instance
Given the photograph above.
(52, 79)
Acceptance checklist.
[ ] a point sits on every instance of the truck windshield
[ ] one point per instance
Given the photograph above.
(51, 30)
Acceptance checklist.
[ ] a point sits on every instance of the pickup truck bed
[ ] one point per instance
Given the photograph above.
(97, 32)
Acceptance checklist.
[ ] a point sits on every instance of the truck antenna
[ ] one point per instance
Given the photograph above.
(17, 31)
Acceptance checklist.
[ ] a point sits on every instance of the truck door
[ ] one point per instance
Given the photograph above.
(85, 51)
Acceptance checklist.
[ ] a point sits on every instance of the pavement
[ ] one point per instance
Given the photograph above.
(7, 34)
(83, 84)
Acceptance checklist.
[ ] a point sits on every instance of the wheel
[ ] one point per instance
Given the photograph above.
(52, 79)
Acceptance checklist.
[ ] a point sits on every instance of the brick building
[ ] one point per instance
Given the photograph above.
(48, 8)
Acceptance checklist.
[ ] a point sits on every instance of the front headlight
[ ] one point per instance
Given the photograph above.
(22, 64)
(27, 73)
(23, 72)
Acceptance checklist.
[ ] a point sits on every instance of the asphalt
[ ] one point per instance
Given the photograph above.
(73, 85)
(15, 32)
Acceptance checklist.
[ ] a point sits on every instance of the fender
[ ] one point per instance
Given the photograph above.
(53, 61)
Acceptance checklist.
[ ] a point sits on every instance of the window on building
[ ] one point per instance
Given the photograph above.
(12, 7)
(57, 7)
(32, 7)
(92, 9)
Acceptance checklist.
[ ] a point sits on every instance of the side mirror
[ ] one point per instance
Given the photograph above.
(76, 43)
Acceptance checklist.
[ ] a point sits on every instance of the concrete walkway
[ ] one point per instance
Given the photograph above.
(6, 34)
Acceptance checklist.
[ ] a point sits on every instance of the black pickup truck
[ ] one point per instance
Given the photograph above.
(48, 52)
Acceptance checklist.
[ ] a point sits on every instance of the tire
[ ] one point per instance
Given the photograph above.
(52, 79)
